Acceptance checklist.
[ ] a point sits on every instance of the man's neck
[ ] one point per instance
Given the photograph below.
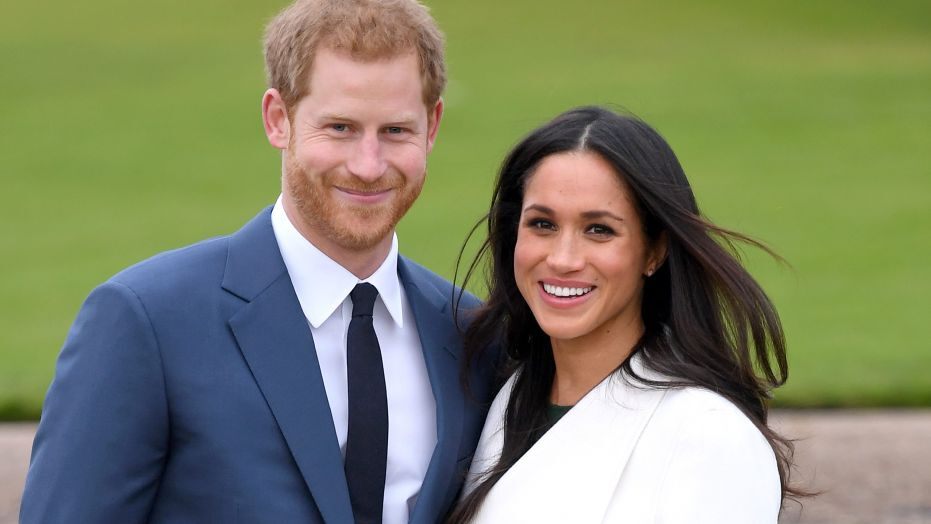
(360, 262)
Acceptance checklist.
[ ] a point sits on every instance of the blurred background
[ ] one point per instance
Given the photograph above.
(129, 128)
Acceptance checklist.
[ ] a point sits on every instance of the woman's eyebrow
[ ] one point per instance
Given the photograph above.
(598, 213)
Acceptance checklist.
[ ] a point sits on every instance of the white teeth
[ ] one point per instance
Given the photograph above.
(565, 291)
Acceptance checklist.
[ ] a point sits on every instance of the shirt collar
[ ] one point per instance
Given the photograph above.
(321, 284)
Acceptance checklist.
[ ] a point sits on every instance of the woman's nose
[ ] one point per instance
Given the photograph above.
(565, 255)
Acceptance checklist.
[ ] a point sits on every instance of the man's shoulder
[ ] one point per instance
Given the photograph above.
(204, 264)
(426, 277)
(183, 266)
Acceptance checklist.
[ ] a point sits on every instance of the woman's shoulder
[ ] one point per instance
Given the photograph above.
(704, 431)
(713, 463)
(706, 415)
(694, 399)
(707, 411)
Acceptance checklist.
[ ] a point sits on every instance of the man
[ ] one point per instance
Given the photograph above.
(298, 370)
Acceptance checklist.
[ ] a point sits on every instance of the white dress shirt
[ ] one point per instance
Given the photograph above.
(323, 288)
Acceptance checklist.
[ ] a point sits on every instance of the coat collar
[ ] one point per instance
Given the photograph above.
(576, 465)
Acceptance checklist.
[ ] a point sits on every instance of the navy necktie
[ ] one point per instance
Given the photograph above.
(367, 435)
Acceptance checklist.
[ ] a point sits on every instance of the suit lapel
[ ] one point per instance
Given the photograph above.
(576, 465)
(441, 346)
(276, 342)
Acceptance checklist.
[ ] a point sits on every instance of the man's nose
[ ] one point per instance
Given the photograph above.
(368, 161)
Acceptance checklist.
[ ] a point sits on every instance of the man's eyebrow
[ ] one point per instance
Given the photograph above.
(335, 116)
(400, 120)
(403, 119)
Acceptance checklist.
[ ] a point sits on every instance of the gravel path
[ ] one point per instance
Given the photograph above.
(15, 445)
(874, 467)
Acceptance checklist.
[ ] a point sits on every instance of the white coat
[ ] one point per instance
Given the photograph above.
(634, 454)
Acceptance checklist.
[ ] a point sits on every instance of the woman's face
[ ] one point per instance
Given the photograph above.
(581, 252)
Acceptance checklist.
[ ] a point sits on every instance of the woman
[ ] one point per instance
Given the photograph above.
(642, 353)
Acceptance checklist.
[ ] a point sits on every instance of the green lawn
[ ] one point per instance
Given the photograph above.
(128, 128)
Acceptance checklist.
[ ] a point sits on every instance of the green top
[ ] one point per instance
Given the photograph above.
(555, 412)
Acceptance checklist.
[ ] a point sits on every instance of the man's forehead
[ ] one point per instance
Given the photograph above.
(345, 67)
(340, 83)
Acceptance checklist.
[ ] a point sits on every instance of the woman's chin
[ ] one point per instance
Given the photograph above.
(564, 330)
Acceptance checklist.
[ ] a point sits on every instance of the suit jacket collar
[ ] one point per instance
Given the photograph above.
(441, 348)
(276, 343)
(576, 465)
(253, 261)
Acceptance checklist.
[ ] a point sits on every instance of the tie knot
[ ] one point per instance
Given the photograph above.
(363, 299)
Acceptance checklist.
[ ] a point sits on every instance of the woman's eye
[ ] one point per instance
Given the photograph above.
(598, 229)
(537, 223)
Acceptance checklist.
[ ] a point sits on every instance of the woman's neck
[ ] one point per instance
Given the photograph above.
(583, 362)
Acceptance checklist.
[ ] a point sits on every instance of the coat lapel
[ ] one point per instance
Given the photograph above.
(441, 346)
(276, 342)
(571, 473)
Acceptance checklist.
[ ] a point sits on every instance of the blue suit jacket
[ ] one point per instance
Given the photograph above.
(188, 390)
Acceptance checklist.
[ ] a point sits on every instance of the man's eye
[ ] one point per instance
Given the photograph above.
(394, 130)
(339, 128)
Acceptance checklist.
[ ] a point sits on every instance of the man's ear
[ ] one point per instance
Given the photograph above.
(657, 254)
(275, 118)
(433, 123)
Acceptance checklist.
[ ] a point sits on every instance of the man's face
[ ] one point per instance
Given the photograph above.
(357, 154)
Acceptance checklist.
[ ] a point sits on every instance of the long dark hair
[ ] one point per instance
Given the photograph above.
(707, 323)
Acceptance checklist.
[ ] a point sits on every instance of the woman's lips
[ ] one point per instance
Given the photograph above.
(565, 294)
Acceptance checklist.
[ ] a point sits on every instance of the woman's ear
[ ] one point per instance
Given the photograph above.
(657, 254)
